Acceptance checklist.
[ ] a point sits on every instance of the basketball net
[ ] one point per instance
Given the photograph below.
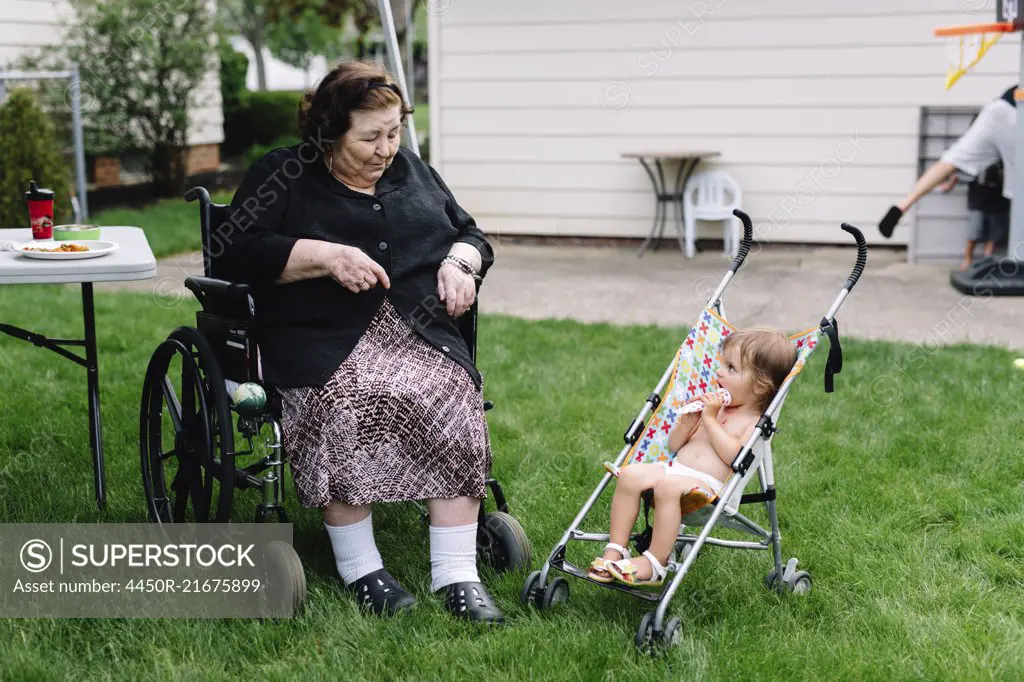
(965, 52)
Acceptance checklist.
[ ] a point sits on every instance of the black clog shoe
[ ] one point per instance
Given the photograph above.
(472, 602)
(381, 594)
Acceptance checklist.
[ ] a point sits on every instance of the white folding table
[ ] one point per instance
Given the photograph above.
(133, 260)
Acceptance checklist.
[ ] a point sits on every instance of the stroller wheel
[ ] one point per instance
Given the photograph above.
(673, 632)
(771, 581)
(644, 639)
(799, 583)
(528, 594)
(502, 543)
(556, 592)
(648, 643)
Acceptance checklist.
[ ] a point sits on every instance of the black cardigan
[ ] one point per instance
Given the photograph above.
(306, 329)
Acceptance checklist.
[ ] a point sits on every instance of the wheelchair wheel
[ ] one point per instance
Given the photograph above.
(286, 580)
(502, 543)
(186, 437)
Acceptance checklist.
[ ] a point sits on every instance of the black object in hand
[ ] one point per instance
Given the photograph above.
(888, 223)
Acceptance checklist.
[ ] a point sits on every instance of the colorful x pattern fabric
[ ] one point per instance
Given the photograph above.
(693, 374)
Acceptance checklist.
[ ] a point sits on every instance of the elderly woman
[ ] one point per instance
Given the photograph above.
(361, 262)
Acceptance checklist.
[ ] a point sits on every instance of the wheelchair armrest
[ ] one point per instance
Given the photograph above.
(220, 297)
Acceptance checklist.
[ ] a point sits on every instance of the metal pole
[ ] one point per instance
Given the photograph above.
(410, 62)
(387, 24)
(1015, 244)
(93, 380)
(76, 127)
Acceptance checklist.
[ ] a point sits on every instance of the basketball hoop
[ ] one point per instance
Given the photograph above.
(968, 44)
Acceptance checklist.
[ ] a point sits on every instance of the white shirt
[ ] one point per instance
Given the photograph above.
(989, 139)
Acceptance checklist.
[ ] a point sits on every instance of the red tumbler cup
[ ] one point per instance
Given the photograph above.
(40, 211)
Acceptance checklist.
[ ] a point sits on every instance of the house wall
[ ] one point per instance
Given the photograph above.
(28, 25)
(814, 106)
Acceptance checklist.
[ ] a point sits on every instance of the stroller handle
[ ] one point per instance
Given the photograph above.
(748, 238)
(862, 255)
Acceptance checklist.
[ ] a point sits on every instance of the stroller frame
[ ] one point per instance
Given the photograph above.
(655, 628)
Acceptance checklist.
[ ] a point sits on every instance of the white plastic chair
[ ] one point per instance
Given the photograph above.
(711, 195)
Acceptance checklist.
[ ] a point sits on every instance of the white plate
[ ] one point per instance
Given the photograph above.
(97, 248)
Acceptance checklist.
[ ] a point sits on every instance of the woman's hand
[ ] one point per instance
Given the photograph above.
(712, 404)
(353, 269)
(456, 289)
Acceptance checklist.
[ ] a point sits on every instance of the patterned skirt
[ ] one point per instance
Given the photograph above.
(398, 420)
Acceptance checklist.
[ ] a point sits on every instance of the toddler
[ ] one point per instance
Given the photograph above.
(754, 363)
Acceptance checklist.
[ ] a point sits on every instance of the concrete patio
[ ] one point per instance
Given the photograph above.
(785, 286)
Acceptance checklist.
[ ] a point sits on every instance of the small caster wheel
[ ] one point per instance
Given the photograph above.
(528, 594)
(772, 582)
(792, 580)
(799, 583)
(556, 592)
(682, 550)
(644, 639)
(502, 543)
(673, 633)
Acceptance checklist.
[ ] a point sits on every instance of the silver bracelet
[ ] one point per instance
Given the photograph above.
(462, 264)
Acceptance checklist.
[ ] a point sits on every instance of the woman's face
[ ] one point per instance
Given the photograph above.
(370, 144)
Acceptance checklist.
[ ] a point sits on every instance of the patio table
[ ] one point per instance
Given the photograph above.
(688, 162)
(133, 260)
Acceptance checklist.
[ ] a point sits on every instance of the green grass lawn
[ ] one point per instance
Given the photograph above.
(171, 225)
(908, 515)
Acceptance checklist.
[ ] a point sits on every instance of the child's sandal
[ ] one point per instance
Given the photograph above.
(598, 571)
(624, 571)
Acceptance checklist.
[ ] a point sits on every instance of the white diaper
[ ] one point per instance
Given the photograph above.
(674, 468)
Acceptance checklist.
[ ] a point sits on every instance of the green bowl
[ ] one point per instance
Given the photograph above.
(69, 232)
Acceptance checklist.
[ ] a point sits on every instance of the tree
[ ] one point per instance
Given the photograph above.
(141, 67)
(250, 19)
(300, 38)
(27, 137)
(364, 15)
(281, 25)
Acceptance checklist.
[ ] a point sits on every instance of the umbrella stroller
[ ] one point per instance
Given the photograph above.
(691, 373)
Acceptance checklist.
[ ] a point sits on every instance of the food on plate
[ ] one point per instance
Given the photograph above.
(63, 248)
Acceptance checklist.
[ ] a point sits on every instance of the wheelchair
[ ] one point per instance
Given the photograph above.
(188, 422)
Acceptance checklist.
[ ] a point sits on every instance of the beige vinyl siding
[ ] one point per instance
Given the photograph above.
(814, 106)
(27, 26)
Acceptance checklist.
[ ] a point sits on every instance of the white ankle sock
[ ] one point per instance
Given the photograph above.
(452, 555)
(355, 552)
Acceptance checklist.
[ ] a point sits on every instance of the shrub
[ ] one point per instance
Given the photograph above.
(258, 150)
(233, 94)
(27, 139)
(233, 67)
(263, 118)
(273, 115)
